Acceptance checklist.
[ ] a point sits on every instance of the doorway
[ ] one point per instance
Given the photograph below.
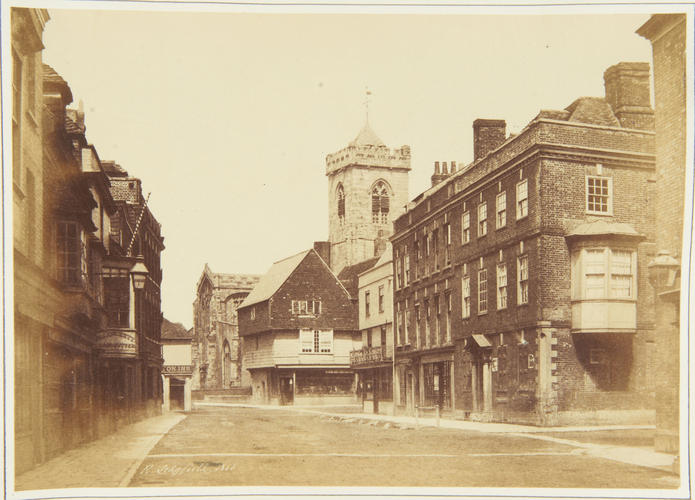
(286, 391)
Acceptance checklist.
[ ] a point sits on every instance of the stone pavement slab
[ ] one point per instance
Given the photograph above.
(108, 462)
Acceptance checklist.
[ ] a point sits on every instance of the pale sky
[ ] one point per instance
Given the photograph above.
(228, 117)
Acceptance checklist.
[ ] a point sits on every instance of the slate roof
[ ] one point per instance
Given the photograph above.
(51, 79)
(349, 275)
(271, 281)
(113, 169)
(175, 331)
(594, 110)
(367, 137)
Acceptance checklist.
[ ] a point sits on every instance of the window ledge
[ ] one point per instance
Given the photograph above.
(599, 214)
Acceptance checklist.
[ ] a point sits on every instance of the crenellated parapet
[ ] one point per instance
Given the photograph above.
(369, 155)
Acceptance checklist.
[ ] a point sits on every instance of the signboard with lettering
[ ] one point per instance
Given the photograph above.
(117, 344)
(177, 369)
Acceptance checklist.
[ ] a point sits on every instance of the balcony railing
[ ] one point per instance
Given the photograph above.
(371, 355)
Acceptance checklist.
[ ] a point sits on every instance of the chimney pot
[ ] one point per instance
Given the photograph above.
(445, 169)
(436, 167)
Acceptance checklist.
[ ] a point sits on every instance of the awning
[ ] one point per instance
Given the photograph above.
(481, 340)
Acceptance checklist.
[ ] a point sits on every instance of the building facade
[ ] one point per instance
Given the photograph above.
(367, 189)
(521, 290)
(177, 370)
(667, 33)
(373, 361)
(34, 304)
(216, 348)
(67, 266)
(298, 327)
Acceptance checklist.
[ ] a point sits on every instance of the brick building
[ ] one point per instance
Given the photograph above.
(298, 326)
(521, 290)
(667, 32)
(216, 348)
(367, 189)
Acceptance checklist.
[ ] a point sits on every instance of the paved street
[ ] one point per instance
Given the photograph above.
(231, 446)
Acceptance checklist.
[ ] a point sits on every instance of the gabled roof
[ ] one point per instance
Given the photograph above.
(175, 331)
(349, 275)
(271, 281)
(367, 137)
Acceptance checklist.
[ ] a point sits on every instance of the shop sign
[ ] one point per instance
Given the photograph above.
(117, 343)
(177, 369)
(494, 364)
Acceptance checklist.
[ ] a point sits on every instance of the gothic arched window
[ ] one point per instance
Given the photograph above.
(341, 203)
(380, 203)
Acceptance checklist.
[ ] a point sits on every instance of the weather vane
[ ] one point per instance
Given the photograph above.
(367, 93)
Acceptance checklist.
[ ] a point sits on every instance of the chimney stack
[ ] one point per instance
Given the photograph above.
(487, 136)
(627, 92)
(439, 175)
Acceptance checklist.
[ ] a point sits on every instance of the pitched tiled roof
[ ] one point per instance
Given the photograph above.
(271, 281)
(593, 110)
(367, 137)
(53, 80)
(113, 169)
(240, 281)
(349, 275)
(172, 331)
(71, 127)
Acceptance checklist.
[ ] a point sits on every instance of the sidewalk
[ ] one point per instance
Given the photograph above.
(108, 462)
(641, 456)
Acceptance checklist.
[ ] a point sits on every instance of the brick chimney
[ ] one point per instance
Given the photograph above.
(323, 248)
(487, 136)
(627, 92)
(439, 175)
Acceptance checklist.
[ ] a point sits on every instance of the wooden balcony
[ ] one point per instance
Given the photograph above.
(371, 356)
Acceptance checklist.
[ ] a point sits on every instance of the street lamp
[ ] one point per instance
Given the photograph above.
(663, 271)
(139, 273)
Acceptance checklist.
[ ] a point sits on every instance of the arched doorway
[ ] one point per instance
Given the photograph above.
(226, 365)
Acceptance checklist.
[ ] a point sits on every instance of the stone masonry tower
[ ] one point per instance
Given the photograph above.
(367, 190)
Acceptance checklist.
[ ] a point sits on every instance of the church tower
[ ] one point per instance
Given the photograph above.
(367, 190)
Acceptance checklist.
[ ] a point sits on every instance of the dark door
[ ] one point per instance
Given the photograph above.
(286, 391)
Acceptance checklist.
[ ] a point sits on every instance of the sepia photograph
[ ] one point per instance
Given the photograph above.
(347, 249)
